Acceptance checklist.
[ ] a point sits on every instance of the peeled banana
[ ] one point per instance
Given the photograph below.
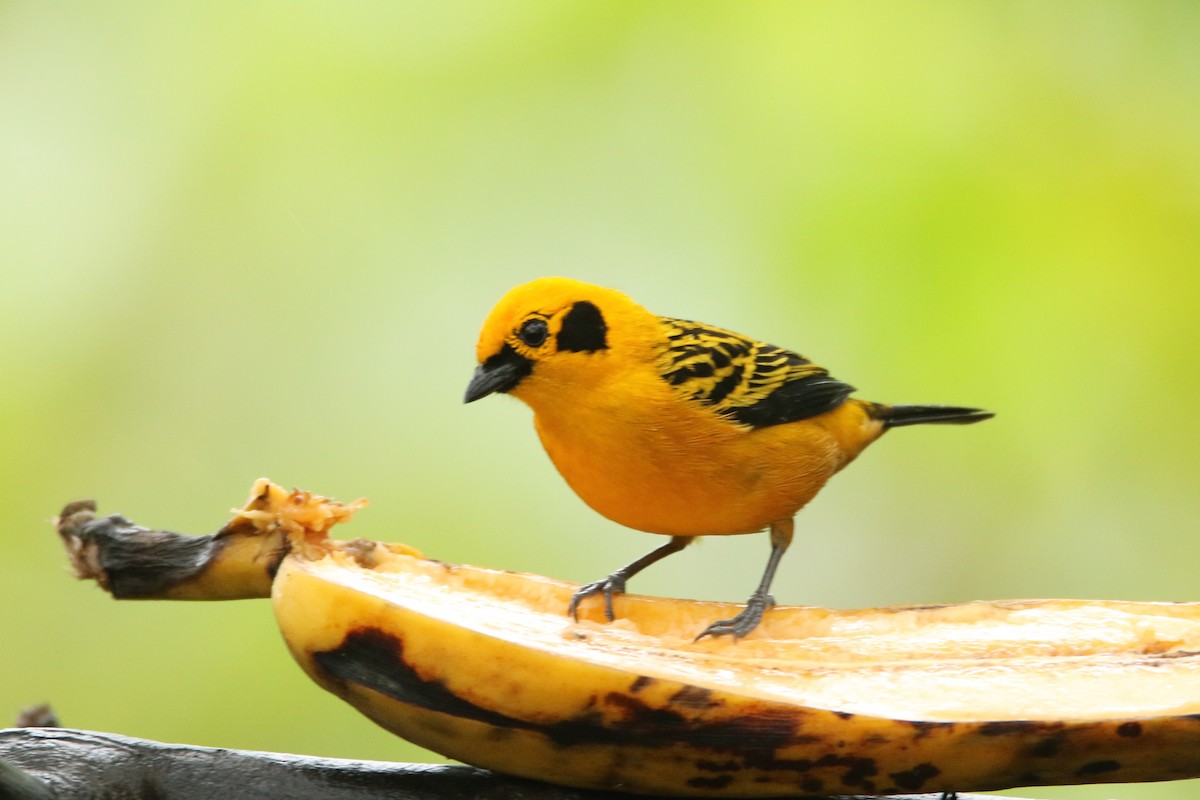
(484, 666)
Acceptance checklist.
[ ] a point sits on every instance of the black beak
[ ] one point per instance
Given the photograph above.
(500, 373)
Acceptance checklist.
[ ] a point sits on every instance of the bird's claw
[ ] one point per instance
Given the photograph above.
(612, 585)
(743, 623)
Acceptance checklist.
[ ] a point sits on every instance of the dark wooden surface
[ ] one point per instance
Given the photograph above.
(61, 763)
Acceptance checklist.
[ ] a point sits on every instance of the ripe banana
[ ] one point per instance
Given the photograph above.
(484, 666)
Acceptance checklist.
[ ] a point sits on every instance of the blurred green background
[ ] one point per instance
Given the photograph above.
(244, 240)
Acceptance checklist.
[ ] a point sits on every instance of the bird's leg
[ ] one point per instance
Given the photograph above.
(615, 583)
(761, 600)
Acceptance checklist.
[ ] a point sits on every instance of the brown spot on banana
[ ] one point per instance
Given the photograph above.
(1098, 767)
(1131, 730)
(374, 659)
(710, 783)
(695, 697)
(914, 780)
(640, 683)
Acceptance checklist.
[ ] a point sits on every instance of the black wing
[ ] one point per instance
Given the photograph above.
(748, 381)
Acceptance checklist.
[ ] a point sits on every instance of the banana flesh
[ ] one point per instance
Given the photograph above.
(484, 667)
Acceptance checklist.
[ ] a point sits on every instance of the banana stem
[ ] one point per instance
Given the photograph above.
(90, 765)
(239, 561)
(132, 562)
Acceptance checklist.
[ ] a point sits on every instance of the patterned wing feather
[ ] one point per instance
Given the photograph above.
(750, 382)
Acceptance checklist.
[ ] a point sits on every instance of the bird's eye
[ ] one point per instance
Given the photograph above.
(533, 332)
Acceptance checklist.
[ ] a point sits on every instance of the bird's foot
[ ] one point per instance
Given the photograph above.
(744, 622)
(612, 585)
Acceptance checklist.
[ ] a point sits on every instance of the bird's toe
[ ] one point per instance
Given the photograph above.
(744, 622)
(609, 586)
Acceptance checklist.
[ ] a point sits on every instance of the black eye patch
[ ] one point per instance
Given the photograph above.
(533, 332)
(583, 329)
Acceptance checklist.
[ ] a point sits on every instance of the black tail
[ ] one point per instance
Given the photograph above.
(899, 416)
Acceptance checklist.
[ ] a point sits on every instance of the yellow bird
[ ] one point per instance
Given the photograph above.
(676, 427)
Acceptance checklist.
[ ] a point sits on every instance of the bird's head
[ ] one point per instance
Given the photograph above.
(551, 332)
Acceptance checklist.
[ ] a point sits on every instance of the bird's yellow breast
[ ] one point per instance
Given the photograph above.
(640, 454)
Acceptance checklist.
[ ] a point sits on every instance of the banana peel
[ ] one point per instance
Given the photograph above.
(484, 667)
